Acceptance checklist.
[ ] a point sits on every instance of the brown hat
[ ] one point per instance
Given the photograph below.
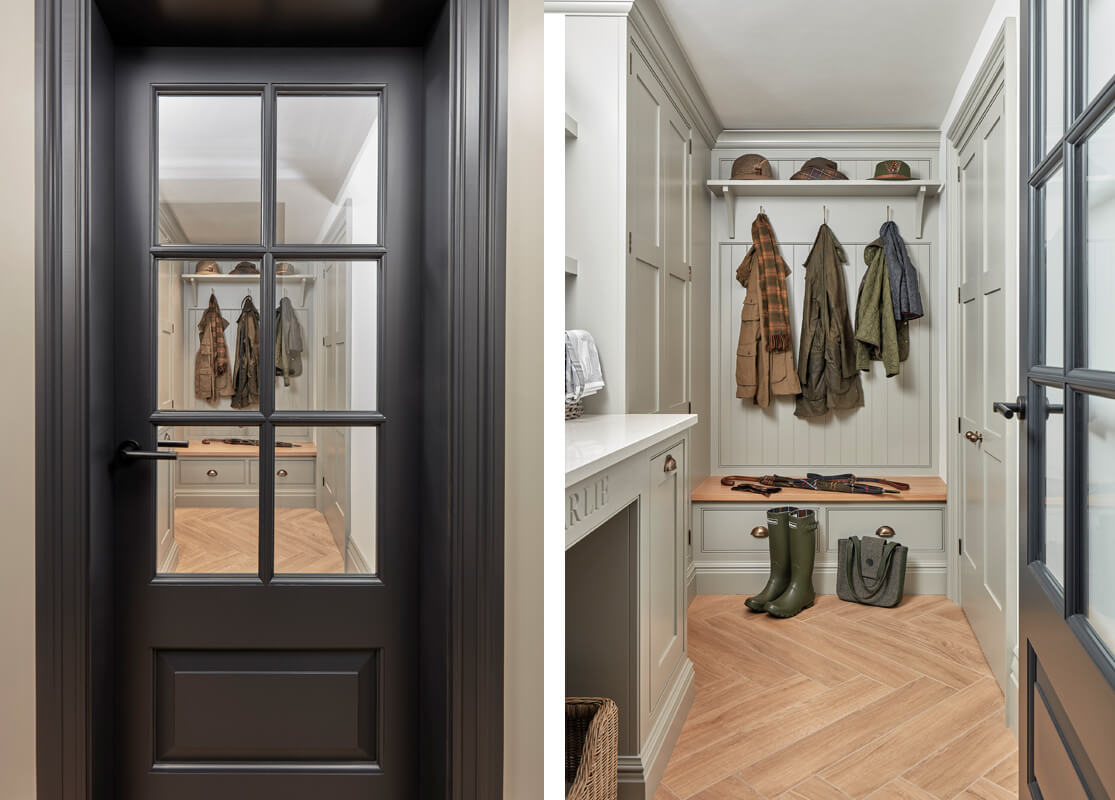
(751, 167)
(207, 268)
(819, 169)
(245, 268)
(284, 268)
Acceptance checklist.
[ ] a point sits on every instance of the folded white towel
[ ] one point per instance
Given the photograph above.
(583, 375)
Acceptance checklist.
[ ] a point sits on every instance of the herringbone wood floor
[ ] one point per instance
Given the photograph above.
(224, 540)
(843, 701)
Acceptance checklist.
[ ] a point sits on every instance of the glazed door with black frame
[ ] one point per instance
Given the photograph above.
(1067, 580)
(267, 393)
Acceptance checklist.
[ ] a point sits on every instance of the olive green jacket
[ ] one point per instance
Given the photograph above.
(879, 336)
(827, 359)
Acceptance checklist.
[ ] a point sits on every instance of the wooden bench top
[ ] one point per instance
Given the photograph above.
(218, 449)
(923, 489)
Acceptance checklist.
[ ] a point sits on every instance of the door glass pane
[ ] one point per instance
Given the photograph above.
(1100, 223)
(1052, 199)
(325, 500)
(1100, 65)
(1099, 547)
(1054, 73)
(207, 360)
(327, 335)
(327, 188)
(1054, 400)
(207, 509)
(210, 168)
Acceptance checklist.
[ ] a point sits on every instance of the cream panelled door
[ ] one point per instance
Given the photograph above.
(982, 375)
(673, 334)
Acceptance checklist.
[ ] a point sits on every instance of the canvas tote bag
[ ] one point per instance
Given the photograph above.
(871, 571)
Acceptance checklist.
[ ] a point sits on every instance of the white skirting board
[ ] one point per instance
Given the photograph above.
(639, 775)
(747, 578)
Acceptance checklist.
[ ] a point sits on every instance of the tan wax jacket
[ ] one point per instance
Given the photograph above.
(760, 374)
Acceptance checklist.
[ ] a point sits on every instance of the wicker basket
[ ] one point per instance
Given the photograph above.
(574, 409)
(591, 748)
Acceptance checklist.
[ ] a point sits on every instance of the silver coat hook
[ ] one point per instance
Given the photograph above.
(889, 215)
(826, 214)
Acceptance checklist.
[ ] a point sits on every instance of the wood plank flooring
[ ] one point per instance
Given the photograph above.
(842, 702)
(226, 540)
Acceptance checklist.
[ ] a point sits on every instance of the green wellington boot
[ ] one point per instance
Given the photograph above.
(778, 539)
(799, 594)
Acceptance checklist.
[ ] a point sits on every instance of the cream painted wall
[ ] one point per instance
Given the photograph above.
(17, 408)
(523, 561)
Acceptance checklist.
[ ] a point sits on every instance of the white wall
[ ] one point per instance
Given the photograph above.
(526, 368)
(17, 404)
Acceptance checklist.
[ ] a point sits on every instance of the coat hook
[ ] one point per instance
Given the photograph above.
(889, 216)
(826, 214)
(762, 210)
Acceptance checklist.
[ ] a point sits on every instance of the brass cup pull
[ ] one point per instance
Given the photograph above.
(212, 473)
(886, 531)
(282, 473)
(670, 465)
(759, 531)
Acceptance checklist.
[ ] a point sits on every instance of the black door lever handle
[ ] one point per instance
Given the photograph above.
(1008, 410)
(129, 451)
(171, 443)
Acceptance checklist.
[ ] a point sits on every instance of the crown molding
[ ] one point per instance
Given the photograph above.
(670, 59)
(991, 72)
(831, 139)
(589, 8)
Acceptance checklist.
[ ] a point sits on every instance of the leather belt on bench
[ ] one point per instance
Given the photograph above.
(814, 483)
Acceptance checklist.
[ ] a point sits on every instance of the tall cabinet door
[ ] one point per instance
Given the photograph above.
(673, 329)
(666, 572)
(646, 101)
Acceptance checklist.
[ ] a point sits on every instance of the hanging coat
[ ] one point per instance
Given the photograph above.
(288, 342)
(879, 336)
(904, 289)
(759, 372)
(246, 380)
(212, 376)
(827, 361)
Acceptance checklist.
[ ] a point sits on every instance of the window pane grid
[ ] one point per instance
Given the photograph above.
(270, 250)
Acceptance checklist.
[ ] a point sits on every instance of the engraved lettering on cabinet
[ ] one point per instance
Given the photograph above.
(586, 501)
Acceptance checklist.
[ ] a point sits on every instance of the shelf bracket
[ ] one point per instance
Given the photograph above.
(919, 210)
(730, 209)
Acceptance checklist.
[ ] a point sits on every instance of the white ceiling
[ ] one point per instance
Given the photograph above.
(825, 64)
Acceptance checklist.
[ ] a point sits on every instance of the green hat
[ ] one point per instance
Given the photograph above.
(893, 170)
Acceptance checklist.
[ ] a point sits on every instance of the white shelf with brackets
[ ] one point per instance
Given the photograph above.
(196, 278)
(916, 189)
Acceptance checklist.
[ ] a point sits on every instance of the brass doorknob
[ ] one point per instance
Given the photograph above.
(759, 531)
(886, 531)
(970, 435)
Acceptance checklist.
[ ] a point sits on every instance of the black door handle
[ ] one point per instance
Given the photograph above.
(129, 451)
(1008, 410)
(171, 443)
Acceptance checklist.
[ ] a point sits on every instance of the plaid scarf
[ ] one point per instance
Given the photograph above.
(217, 327)
(773, 300)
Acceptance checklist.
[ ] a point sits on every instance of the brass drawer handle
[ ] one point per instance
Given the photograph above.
(759, 531)
(671, 464)
(212, 473)
(282, 473)
(886, 531)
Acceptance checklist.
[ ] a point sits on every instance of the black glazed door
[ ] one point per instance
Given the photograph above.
(1066, 587)
(266, 577)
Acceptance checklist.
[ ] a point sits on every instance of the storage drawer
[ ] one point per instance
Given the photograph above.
(727, 529)
(917, 528)
(289, 472)
(212, 471)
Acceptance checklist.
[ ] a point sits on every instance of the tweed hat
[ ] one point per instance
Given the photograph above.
(819, 169)
(207, 268)
(893, 170)
(751, 167)
(245, 268)
(285, 268)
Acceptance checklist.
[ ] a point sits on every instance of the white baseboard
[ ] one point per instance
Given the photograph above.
(355, 563)
(690, 584)
(639, 775)
(170, 560)
(728, 578)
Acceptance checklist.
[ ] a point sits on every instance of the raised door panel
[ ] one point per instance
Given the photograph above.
(674, 334)
(645, 101)
(643, 287)
(665, 576)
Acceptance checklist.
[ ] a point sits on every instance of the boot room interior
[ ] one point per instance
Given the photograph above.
(789, 236)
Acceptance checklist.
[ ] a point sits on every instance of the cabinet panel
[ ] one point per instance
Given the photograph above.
(917, 528)
(212, 472)
(289, 473)
(645, 97)
(665, 545)
(642, 337)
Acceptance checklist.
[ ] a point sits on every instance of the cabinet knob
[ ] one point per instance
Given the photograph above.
(281, 473)
(886, 531)
(759, 531)
(671, 464)
(212, 473)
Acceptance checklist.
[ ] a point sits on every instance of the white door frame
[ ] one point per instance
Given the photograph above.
(999, 69)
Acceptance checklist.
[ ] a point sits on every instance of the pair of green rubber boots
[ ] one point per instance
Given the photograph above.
(792, 536)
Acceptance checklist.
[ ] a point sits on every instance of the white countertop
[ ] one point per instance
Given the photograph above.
(597, 441)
